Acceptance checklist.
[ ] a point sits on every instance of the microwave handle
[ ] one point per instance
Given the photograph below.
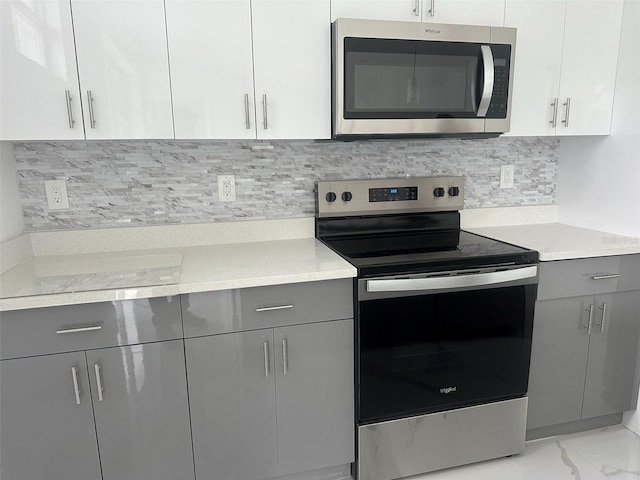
(487, 85)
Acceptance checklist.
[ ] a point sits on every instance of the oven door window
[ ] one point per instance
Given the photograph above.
(429, 353)
(400, 79)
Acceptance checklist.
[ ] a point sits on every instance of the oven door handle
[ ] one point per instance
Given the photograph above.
(451, 282)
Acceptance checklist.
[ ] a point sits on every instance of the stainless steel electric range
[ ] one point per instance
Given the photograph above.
(444, 321)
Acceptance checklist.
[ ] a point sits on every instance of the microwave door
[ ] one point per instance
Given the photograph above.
(487, 80)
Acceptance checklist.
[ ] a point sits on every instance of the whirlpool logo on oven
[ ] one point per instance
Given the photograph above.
(448, 390)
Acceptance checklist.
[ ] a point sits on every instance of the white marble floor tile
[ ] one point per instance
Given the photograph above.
(610, 453)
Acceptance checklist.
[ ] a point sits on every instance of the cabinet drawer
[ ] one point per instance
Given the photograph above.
(264, 307)
(568, 278)
(41, 331)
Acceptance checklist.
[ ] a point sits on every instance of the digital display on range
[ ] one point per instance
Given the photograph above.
(393, 194)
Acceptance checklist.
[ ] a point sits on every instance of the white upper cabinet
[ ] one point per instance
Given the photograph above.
(466, 12)
(292, 67)
(211, 68)
(123, 68)
(39, 93)
(589, 64)
(399, 10)
(536, 77)
(565, 66)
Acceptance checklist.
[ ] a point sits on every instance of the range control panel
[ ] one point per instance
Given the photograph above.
(400, 195)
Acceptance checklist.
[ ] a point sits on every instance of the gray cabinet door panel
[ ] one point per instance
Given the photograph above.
(229, 311)
(34, 332)
(233, 412)
(315, 395)
(142, 420)
(558, 361)
(44, 433)
(613, 354)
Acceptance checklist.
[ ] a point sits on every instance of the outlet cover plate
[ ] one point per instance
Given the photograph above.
(227, 188)
(506, 176)
(57, 198)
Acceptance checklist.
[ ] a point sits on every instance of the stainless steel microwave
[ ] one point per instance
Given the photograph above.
(420, 79)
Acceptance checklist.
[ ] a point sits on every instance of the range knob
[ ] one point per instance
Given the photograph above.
(347, 196)
(438, 192)
(331, 197)
(454, 191)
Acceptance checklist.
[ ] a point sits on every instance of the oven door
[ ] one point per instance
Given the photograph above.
(441, 341)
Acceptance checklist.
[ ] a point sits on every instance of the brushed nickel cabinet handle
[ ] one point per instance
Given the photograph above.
(567, 108)
(92, 118)
(416, 8)
(265, 347)
(67, 95)
(285, 357)
(604, 313)
(432, 11)
(270, 309)
(264, 111)
(606, 276)
(589, 326)
(98, 381)
(247, 120)
(76, 387)
(554, 119)
(79, 329)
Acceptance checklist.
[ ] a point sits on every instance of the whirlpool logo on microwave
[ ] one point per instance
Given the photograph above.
(448, 390)
(432, 30)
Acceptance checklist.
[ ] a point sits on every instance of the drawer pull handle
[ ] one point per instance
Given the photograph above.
(605, 276)
(79, 330)
(285, 357)
(269, 309)
(265, 347)
(590, 325)
(99, 381)
(76, 387)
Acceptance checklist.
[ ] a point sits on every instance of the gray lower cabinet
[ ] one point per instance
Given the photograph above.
(141, 411)
(585, 347)
(271, 402)
(114, 406)
(232, 397)
(46, 419)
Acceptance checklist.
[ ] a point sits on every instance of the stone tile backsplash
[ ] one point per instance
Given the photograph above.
(135, 183)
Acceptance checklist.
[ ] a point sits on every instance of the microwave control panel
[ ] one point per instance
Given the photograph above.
(501, 66)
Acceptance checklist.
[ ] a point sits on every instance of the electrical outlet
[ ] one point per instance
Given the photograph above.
(506, 176)
(227, 188)
(56, 194)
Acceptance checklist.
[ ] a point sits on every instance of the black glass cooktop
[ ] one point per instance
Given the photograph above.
(388, 245)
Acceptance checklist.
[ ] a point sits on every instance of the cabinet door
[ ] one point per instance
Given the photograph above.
(211, 68)
(589, 63)
(47, 431)
(537, 64)
(142, 412)
(39, 90)
(465, 12)
(558, 360)
(232, 399)
(613, 354)
(123, 62)
(401, 10)
(314, 385)
(292, 60)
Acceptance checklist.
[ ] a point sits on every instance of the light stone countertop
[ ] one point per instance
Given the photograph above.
(43, 281)
(557, 241)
